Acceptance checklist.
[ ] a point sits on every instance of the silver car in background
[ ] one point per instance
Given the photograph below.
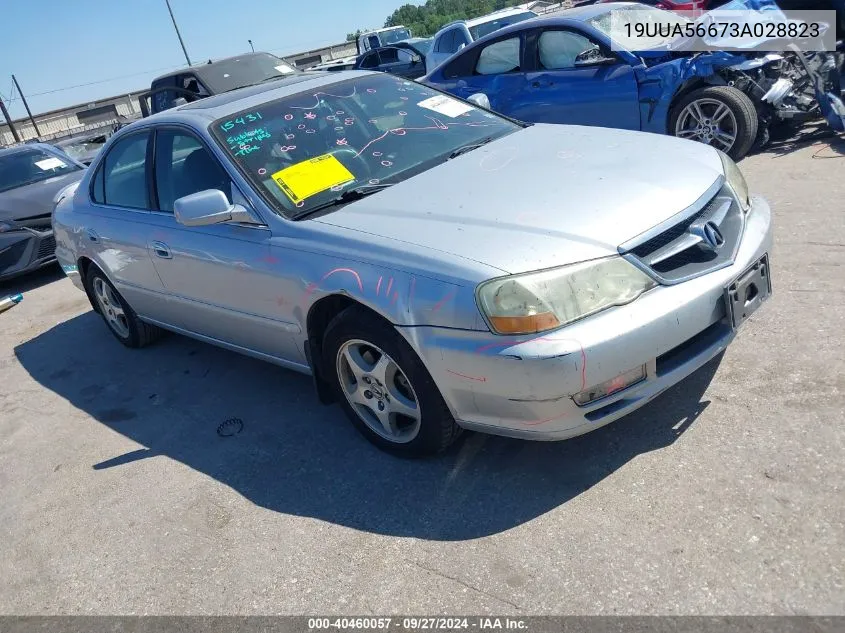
(432, 264)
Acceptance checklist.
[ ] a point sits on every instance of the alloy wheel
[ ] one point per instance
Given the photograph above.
(378, 391)
(111, 308)
(708, 121)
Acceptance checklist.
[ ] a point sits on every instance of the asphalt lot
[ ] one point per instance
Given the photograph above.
(724, 495)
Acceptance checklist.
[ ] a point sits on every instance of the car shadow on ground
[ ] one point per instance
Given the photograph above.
(31, 281)
(788, 140)
(290, 454)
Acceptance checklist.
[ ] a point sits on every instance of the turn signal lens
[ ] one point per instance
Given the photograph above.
(524, 324)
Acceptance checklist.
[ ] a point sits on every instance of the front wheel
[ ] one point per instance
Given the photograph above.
(721, 116)
(384, 388)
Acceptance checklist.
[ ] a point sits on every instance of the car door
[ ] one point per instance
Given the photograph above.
(219, 277)
(495, 70)
(117, 225)
(573, 79)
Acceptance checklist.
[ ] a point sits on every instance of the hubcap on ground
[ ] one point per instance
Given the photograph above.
(708, 121)
(111, 308)
(378, 391)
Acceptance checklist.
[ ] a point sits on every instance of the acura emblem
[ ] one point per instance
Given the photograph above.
(711, 236)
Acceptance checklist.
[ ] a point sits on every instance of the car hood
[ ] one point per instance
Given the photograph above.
(543, 196)
(35, 199)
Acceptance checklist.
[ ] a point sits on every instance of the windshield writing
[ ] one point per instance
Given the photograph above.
(303, 150)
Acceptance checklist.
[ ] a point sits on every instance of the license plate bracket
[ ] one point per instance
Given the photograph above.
(747, 292)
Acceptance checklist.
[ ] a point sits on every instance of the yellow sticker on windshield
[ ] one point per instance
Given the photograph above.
(312, 176)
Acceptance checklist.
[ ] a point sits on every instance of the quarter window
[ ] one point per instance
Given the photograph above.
(558, 49)
(124, 173)
(499, 57)
(184, 166)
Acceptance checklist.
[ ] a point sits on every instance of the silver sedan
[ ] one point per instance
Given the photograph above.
(435, 266)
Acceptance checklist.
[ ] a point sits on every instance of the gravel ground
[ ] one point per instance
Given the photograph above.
(723, 496)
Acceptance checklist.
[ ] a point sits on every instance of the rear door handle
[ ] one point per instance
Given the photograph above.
(161, 250)
(92, 235)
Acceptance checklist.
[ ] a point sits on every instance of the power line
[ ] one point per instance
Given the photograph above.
(102, 81)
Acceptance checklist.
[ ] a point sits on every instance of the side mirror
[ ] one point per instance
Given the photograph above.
(593, 57)
(209, 207)
(416, 59)
(480, 99)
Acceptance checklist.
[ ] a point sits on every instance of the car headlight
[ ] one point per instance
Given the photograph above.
(736, 181)
(5, 226)
(544, 300)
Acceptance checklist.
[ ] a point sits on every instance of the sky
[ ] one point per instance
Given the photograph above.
(122, 45)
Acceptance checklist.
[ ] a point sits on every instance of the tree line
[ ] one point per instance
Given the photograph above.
(426, 20)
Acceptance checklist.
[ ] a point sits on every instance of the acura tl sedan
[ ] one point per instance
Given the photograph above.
(435, 266)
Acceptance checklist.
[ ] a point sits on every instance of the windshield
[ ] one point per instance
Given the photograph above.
(31, 165)
(396, 35)
(83, 150)
(304, 150)
(480, 30)
(243, 71)
(643, 14)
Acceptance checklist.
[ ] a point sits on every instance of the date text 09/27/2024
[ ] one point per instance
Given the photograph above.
(417, 623)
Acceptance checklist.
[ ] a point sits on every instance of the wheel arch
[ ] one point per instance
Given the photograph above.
(320, 314)
(84, 267)
(693, 83)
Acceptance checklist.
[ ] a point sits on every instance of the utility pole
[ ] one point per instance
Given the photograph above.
(9, 121)
(28, 111)
(251, 46)
(178, 34)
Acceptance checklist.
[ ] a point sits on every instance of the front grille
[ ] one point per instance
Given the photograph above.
(706, 239)
(47, 247)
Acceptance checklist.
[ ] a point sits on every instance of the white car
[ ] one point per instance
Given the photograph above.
(455, 35)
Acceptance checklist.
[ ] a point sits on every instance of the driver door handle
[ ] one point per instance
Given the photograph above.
(161, 250)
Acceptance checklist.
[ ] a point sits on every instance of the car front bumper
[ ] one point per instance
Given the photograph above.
(524, 386)
(25, 250)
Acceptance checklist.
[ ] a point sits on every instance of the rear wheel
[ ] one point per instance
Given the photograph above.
(383, 387)
(721, 116)
(119, 315)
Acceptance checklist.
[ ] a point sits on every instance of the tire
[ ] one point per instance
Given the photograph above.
(126, 328)
(741, 109)
(357, 331)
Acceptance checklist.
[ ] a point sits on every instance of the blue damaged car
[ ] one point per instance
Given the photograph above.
(563, 69)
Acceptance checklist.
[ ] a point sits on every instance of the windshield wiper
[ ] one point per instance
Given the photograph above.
(350, 195)
(469, 148)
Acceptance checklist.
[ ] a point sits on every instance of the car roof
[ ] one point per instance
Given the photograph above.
(203, 111)
(199, 68)
(564, 17)
(502, 13)
(14, 149)
(589, 11)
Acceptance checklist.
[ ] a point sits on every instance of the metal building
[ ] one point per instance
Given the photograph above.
(76, 119)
